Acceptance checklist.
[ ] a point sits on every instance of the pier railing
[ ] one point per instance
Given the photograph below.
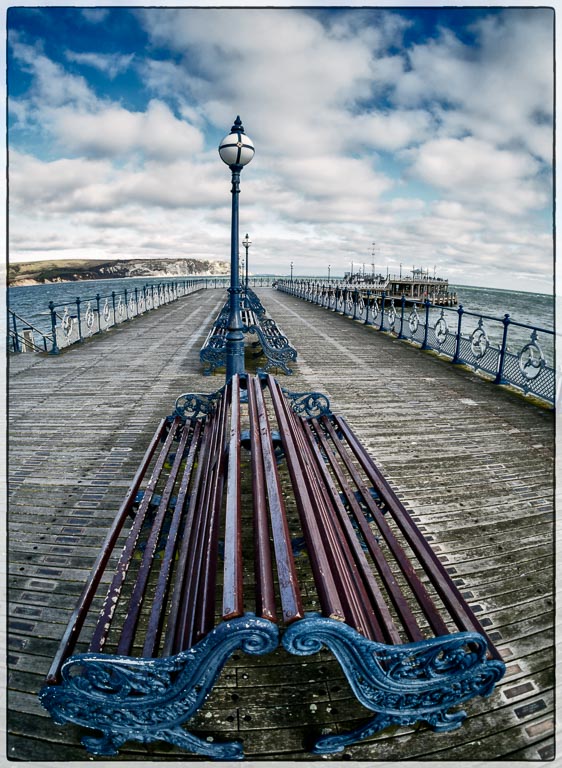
(498, 348)
(73, 321)
(23, 336)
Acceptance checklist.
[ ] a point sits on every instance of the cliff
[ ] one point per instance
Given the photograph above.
(34, 272)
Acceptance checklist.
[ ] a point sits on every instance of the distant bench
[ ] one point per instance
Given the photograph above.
(199, 563)
(271, 342)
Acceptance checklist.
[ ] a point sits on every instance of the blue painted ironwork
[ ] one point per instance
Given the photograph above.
(401, 684)
(235, 334)
(22, 335)
(194, 405)
(526, 365)
(309, 404)
(147, 700)
(271, 341)
(72, 322)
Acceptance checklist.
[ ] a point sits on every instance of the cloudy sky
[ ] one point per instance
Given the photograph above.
(425, 131)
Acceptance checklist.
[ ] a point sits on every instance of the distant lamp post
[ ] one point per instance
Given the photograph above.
(246, 242)
(329, 265)
(236, 150)
(291, 272)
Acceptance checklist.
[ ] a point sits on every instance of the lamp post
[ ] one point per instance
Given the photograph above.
(329, 265)
(246, 242)
(236, 150)
(291, 273)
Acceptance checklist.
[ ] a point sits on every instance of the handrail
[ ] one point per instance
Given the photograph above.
(527, 369)
(21, 340)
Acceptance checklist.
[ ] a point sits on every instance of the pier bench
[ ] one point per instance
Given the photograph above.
(270, 341)
(202, 560)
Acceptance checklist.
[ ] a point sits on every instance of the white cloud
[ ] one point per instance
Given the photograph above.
(470, 169)
(111, 64)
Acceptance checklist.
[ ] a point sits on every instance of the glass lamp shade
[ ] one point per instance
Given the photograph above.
(236, 149)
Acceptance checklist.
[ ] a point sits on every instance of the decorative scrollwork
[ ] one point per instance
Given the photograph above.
(89, 316)
(441, 329)
(414, 319)
(479, 341)
(106, 312)
(401, 684)
(309, 404)
(196, 404)
(120, 308)
(141, 305)
(391, 314)
(131, 306)
(67, 323)
(531, 358)
(149, 700)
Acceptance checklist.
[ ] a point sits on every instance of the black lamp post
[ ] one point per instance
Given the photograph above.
(291, 273)
(246, 242)
(236, 150)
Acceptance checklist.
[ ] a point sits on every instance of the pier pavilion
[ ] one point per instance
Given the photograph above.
(472, 462)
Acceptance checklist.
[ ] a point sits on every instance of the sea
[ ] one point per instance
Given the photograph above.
(530, 309)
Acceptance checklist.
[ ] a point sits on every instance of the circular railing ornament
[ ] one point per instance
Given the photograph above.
(479, 341)
(120, 308)
(391, 314)
(531, 359)
(441, 329)
(414, 319)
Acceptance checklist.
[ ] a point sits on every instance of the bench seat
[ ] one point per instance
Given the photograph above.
(202, 560)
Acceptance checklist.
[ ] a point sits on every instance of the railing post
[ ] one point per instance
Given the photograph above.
(403, 310)
(54, 349)
(15, 327)
(98, 298)
(113, 304)
(367, 303)
(499, 376)
(355, 299)
(457, 357)
(126, 306)
(383, 297)
(426, 331)
(78, 301)
(137, 299)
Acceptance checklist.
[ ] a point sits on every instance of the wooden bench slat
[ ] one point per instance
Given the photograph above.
(265, 592)
(320, 562)
(388, 629)
(139, 589)
(185, 587)
(233, 597)
(176, 621)
(156, 620)
(418, 589)
(104, 621)
(358, 609)
(291, 601)
(206, 597)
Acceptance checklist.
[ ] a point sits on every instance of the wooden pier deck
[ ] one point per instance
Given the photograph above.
(472, 462)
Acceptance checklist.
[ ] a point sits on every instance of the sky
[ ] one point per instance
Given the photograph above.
(399, 138)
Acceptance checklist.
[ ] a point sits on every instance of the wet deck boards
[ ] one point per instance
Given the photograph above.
(473, 463)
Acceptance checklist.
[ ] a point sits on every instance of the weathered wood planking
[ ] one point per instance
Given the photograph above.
(474, 465)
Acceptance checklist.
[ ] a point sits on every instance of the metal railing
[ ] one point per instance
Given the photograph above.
(224, 282)
(498, 348)
(74, 321)
(90, 316)
(25, 337)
